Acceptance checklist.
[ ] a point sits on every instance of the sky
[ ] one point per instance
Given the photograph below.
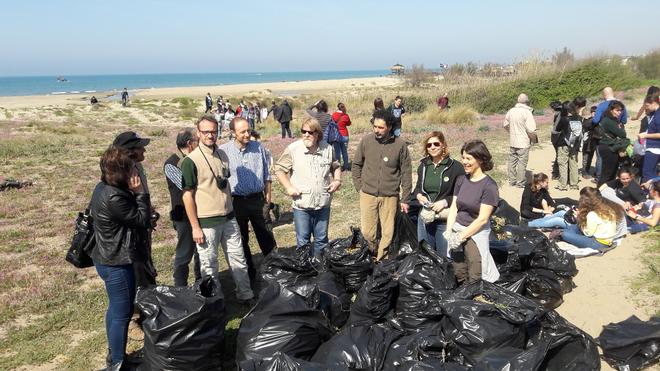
(167, 36)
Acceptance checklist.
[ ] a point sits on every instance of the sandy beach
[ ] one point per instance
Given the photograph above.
(284, 88)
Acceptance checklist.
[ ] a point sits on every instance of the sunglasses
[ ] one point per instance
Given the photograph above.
(306, 132)
(208, 132)
(433, 144)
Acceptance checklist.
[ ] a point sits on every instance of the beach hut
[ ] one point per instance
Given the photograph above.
(397, 69)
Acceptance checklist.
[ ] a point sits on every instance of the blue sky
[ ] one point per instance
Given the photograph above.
(94, 37)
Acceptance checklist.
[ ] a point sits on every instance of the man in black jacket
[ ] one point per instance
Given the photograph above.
(284, 115)
(186, 141)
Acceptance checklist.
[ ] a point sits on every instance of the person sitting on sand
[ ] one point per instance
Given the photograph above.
(537, 206)
(443, 102)
(93, 100)
(624, 189)
(648, 212)
(600, 222)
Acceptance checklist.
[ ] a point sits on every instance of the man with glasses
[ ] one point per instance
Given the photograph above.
(250, 184)
(207, 200)
(310, 175)
(381, 168)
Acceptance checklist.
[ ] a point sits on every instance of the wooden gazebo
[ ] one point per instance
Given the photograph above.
(397, 69)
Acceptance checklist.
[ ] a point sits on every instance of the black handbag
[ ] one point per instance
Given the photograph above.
(83, 242)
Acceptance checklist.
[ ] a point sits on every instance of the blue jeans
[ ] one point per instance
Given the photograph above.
(573, 235)
(432, 234)
(120, 287)
(635, 227)
(310, 223)
(650, 169)
(341, 152)
(555, 220)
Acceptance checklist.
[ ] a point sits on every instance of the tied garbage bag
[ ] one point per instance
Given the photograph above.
(292, 268)
(631, 344)
(285, 321)
(350, 259)
(430, 365)
(360, 346)
(566, 347)
(418, 274)
(513, 281)
(404, 240)
(507, 212)
(282, 362)
(378, 295)
(482, 317)
(546, 287)
(183, 327)
(334, 301)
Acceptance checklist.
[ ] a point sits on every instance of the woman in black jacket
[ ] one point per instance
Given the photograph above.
(613, 140)
(120, 209)
(436, 176)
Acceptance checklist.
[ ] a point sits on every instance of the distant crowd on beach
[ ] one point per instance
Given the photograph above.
(221, 190)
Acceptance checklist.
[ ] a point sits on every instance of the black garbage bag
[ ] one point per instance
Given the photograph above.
(377, 297)
(183, 327)
(405, 236)
(429, 365)
(285, 321)
(513, 281)
(335, 302)
(546, 287)
(292, 268)
(350, 259)
(426, 312)
(421, 272)
(566, 347)
(426, 345)
(631, 344)
(546, 255)
(511, 359)
(360, 346)
(482, 317)
(507, 212)
(282, 362)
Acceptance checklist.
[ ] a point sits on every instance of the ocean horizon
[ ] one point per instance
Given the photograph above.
(90, 84)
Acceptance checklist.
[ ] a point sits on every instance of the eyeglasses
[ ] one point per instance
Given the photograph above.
(433, 144)
(208, 132)
(307, 131)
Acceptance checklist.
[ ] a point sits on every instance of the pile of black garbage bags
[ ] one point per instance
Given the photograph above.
(344, 312)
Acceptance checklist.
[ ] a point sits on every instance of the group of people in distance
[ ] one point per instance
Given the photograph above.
(218, 191)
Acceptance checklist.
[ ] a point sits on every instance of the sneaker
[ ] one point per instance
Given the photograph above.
(560, 188)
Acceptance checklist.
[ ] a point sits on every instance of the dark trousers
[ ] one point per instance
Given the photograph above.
(467, 263)
(120, 287)
(185, 252)
(285, 129)
(588, 150)
(610, 161)
(250, 209)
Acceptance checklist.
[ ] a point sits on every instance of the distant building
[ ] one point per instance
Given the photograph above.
(397, 69)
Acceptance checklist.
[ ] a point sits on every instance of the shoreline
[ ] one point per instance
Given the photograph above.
(283, 88)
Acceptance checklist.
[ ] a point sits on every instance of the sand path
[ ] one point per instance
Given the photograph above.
(603, 293)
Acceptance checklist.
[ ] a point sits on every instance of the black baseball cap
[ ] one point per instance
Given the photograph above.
(130, 140)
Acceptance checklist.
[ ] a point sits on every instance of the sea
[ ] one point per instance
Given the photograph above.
(89, 84)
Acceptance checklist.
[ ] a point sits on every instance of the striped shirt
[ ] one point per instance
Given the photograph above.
(248, 168)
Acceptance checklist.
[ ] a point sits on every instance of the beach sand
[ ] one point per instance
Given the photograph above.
(284, 88)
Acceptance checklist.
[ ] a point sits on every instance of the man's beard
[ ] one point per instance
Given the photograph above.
(308, 143)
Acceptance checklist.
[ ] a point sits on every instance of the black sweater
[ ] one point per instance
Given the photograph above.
(452, 172)
(531, 200)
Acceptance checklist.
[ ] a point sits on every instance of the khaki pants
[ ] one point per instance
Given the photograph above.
(568, 167)
(373, 210)
(518, 158)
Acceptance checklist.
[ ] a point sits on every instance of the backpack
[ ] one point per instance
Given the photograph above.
(331, 132)
(574, 134)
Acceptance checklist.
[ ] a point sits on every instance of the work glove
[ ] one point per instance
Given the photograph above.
(453, 239)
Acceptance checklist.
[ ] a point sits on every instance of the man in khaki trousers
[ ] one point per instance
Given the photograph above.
(519, 122)
(381, 169)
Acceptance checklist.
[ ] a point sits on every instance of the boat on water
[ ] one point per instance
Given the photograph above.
(62, 79)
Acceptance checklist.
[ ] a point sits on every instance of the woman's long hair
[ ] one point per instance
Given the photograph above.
(441, 138)
(591, 200)
(537, 180)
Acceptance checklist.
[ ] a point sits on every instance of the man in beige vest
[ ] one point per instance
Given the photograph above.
(519, 122)
(207, 199)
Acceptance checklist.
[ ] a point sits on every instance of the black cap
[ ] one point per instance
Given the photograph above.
(130, 140)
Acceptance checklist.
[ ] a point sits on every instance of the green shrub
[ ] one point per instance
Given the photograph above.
(415, 103)
(585, 79)
(648, 65)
